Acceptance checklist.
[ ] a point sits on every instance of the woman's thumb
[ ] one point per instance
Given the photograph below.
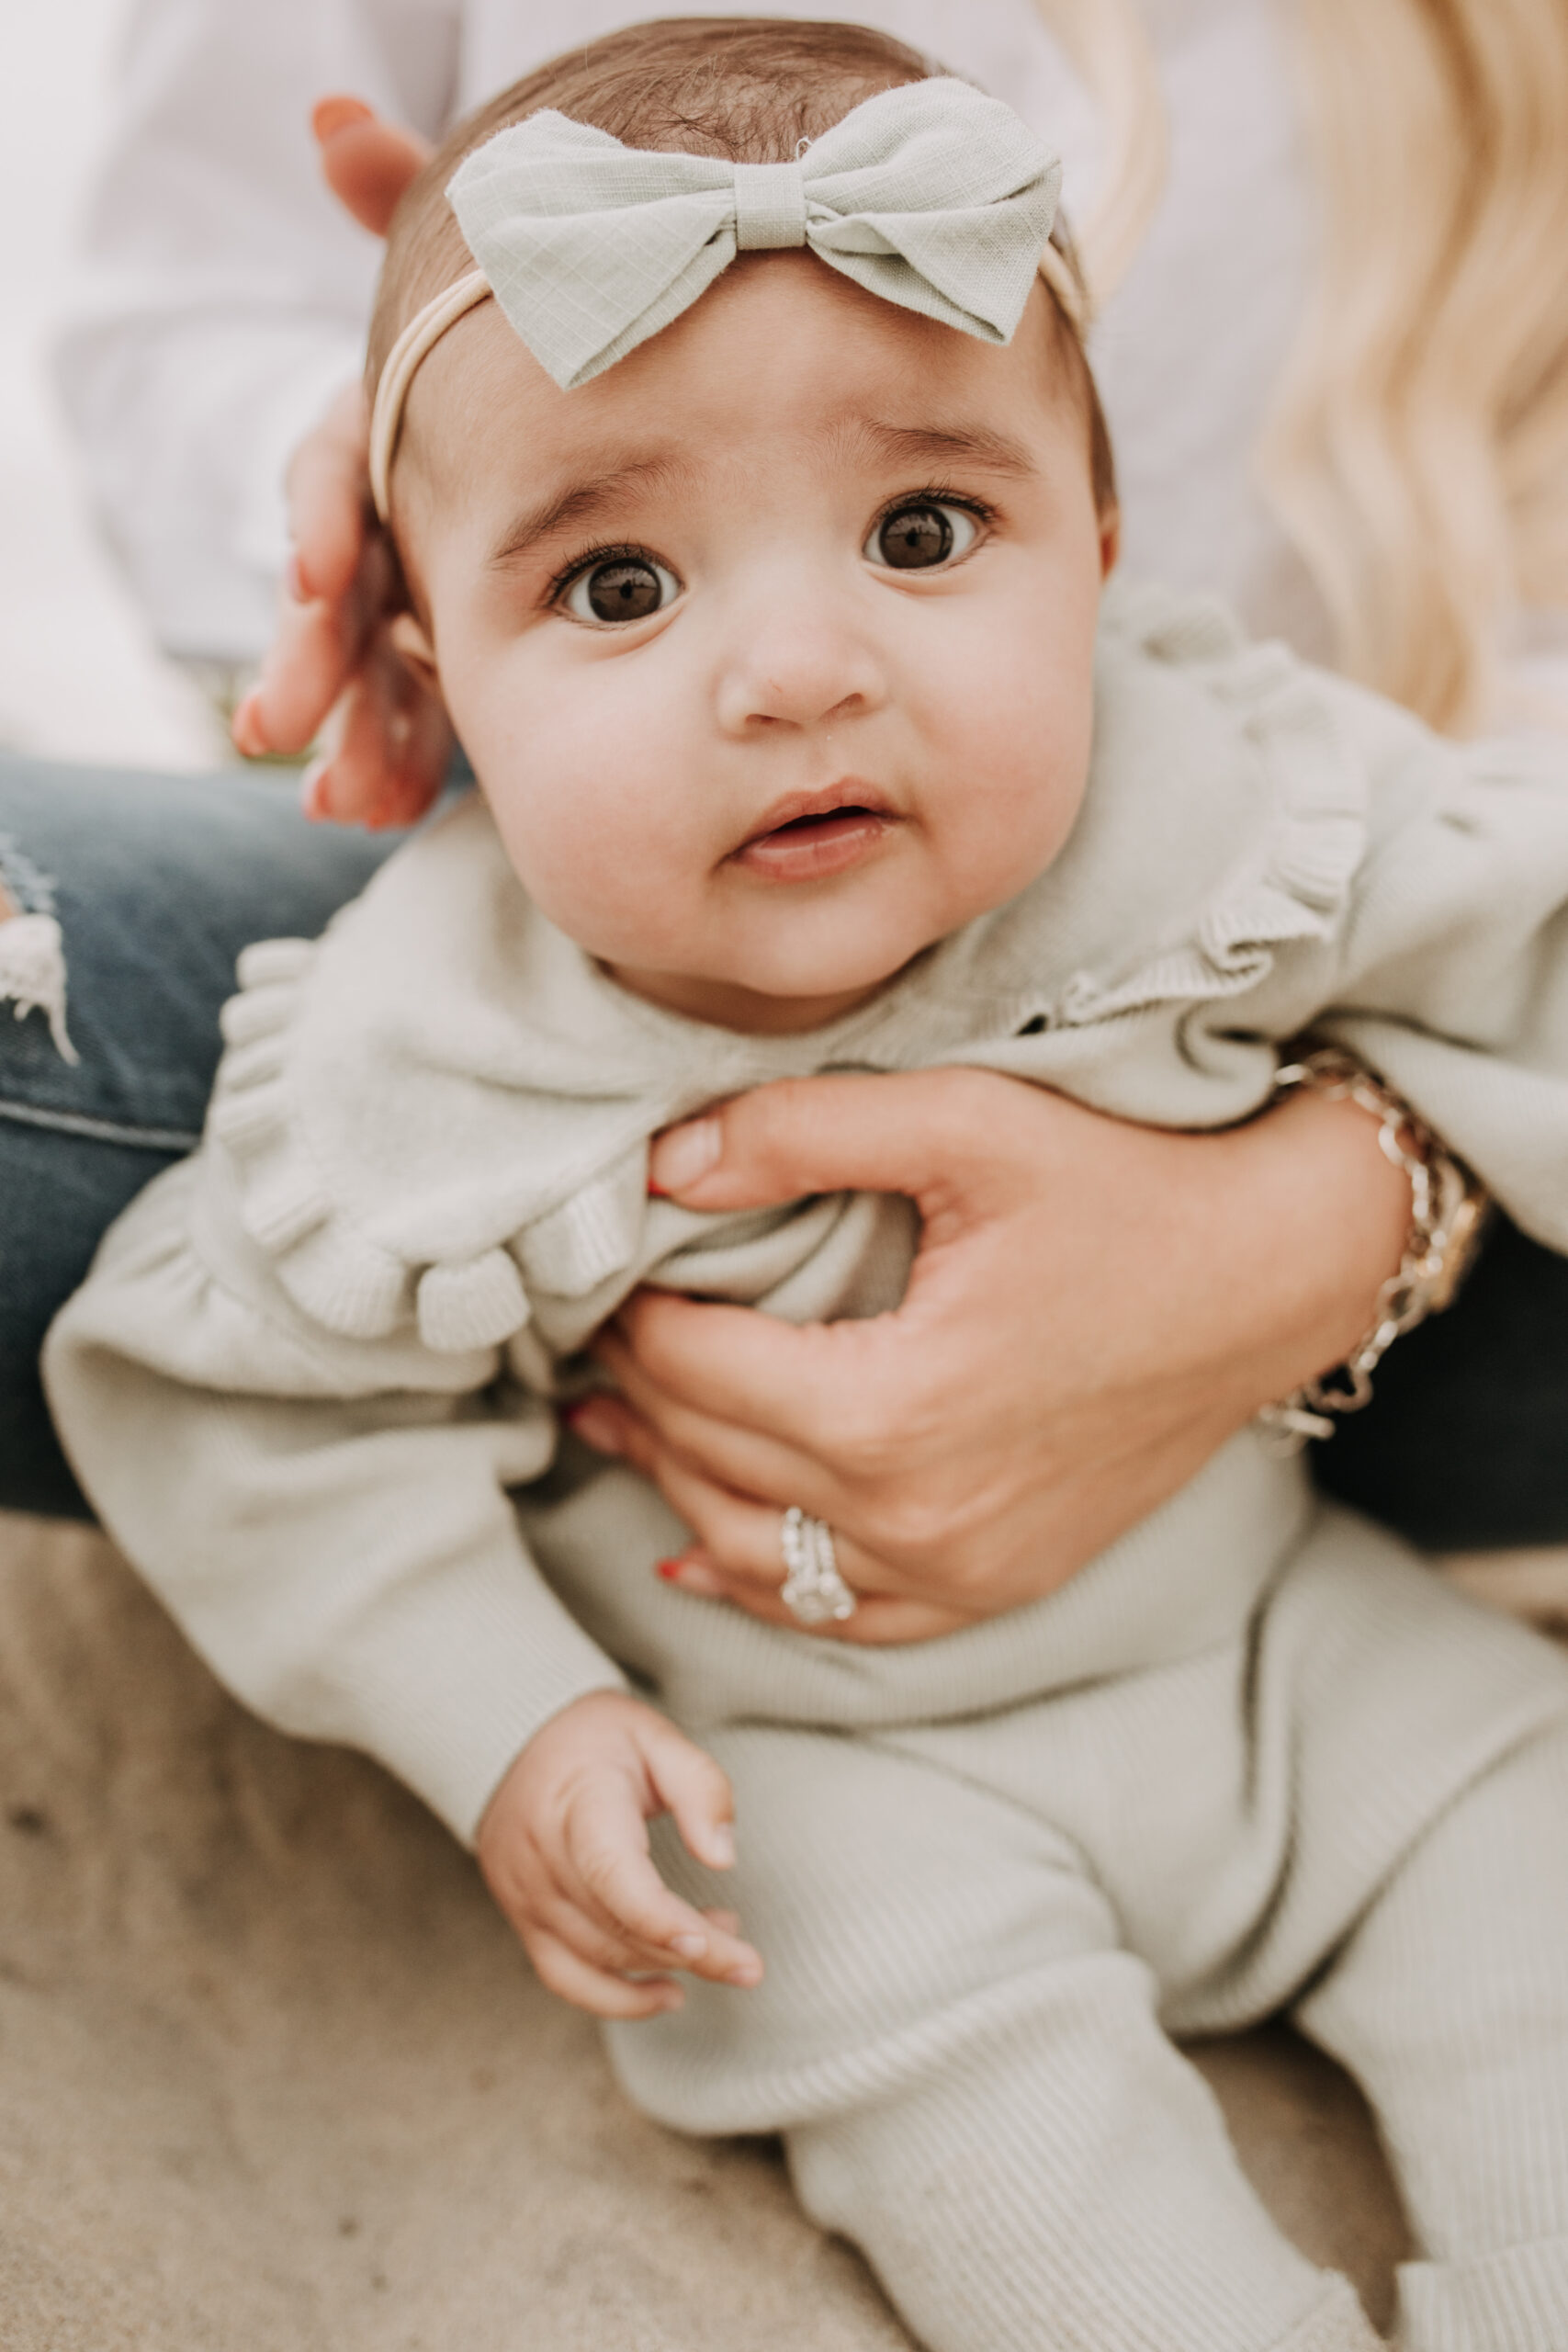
(368, 163)
(916, 1133)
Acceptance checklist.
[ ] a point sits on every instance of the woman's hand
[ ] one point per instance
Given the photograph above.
(332, 670)
(1096, 1307)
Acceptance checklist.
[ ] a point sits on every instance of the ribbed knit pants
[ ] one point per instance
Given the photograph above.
(980, 1935)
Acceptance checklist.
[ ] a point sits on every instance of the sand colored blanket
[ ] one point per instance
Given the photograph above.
(274, 2077)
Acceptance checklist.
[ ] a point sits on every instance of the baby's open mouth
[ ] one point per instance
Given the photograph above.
(817, 836)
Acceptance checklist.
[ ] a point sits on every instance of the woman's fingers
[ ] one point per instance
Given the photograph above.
(388, 748)
(880, 1621)
(327, 492)
(340, 576)
(309, 663)
(739, 1536)
(339, 585)
(801, 1384)
(739, 1557)
(332, 671)
(752, 1462)
(915, 1134)
(368, 163)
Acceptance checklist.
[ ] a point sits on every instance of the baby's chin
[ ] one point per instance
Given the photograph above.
(783, 969)
(764, 998)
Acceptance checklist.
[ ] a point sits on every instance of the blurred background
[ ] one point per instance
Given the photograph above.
(79, 677)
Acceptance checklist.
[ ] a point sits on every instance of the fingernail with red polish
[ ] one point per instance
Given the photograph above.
(698, 1578)
(669, 1569)
(596, 1427)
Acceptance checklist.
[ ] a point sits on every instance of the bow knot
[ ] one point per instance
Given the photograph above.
(770, 207)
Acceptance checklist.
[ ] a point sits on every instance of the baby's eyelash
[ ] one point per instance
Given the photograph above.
(931, 493)
(936, 493)
(626, 553)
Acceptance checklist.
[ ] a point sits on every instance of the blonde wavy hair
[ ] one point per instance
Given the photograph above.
(1417, 452)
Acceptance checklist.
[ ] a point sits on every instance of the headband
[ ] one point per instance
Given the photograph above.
(931, 195)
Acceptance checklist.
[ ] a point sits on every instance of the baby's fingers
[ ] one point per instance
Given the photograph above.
(598, 1990)
(583, 1932)
(617, 1882)
(693, 1788)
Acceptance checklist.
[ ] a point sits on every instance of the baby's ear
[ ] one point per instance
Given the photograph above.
(411, 642)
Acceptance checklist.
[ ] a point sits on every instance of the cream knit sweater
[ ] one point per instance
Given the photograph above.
(311, 1363)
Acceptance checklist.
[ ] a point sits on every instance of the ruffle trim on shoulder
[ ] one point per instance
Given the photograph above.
(1302, 880)
(590, 1235)
(336, 1273)
(332, 1270)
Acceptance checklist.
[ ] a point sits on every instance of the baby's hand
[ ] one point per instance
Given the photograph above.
(563, 1846)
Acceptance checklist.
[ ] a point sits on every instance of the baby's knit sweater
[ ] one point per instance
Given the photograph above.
(308, 1382)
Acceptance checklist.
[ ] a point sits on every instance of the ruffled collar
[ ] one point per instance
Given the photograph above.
(443, 1100)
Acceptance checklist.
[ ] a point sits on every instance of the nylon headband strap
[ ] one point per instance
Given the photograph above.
(425, 328)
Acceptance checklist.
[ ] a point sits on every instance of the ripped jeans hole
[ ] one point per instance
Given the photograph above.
(32, 948)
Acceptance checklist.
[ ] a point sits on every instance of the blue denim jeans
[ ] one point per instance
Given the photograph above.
(158, 882)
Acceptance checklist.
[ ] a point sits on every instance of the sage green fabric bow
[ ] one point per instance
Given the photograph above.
(931, 195)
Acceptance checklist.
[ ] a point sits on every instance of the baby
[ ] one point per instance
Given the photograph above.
(754, 506)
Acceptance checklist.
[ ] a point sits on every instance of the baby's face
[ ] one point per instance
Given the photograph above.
(772, 647)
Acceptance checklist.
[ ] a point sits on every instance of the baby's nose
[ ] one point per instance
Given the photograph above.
(798, 672)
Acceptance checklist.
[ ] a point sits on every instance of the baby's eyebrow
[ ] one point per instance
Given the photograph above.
(578, 505)
(942, 445)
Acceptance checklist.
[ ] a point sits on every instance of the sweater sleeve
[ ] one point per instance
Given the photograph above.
(221, 294)
(327, 1519)
(1454, 977)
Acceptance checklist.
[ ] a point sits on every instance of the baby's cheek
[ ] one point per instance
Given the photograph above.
(1006, 830)
(1013, 744)
(594, 828)
(590, 812)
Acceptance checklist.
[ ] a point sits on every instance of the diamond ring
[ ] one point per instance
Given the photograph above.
(814, 1593)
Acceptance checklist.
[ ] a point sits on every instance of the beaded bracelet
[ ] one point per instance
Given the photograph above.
(1449, 1207)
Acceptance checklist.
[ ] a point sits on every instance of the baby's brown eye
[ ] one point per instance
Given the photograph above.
(921, 536)
(623, 588)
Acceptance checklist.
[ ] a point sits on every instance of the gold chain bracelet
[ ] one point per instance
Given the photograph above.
(1449, 1207)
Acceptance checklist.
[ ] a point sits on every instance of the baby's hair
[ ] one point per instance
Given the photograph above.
(750, 89)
